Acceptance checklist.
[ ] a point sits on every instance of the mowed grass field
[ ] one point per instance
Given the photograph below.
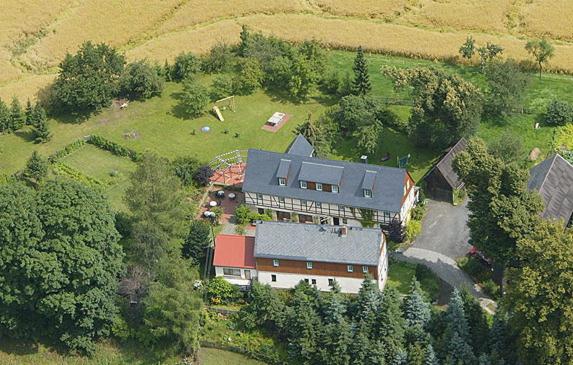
(35, 35)
(159, 126)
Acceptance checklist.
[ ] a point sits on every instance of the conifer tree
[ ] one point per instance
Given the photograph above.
(40, 127)
(458, 351)
(390, 326)
(4, 118)
(361, 85)
(303, 327)
(245, 37)
(29, 112)
(415, 308)
(336, 335)
(16, 115)
(430, 358)
(36, 169)
(455, 316)
(367, 303)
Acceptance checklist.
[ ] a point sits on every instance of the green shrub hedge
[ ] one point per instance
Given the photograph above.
(113, 147)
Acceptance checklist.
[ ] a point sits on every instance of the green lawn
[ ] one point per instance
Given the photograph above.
(209, 356)
(14, 352)
(160, 127)
(111, 170)
(400, 276)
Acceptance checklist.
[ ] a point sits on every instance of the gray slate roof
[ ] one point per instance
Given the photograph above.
(445, 165)
(553, 179)
(320, 243)
(320, 172)
(387, 189)
(301, 146)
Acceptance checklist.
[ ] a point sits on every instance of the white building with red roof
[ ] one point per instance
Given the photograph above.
(234, 258)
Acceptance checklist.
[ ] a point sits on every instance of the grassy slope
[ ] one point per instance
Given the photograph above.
(162, 129)
(215, 357)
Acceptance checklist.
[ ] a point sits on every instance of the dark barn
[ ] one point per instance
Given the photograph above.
(442, 180)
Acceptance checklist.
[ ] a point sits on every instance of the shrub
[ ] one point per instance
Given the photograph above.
(248, 77)
(418, 212)
(219, 59)
(222, 87)
(331, 82)
(59, 154)
(186, 64)
(195, 98)
(475, 268)
(113, 147)
(413, 229)
(203, 175)
(220, 291)
(185, 168)
(558, 113)
(243, 214)
(491, 288)
(140, 81)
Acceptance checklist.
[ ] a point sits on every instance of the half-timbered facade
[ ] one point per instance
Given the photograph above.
(307, 189)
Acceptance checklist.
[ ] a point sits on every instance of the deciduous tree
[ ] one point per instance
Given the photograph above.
(88, 80)
(541, 50)
(194, 98)
(468, 49)
(140, 80)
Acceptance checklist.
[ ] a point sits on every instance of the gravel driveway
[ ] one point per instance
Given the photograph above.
(444, 230)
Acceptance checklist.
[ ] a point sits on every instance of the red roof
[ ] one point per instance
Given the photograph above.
(233, 250)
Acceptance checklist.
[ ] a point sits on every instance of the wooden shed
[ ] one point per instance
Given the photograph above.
(442, 180)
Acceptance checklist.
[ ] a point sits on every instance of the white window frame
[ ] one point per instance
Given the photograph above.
(276, 262)
(318, 186)
(334, 189)
(230, 271)
(367, 193)
(364, 269)
(350, 268)
(303, 184)
(309, 265)
(282, 181)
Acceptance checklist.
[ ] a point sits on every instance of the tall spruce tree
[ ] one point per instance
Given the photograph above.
(361, 85)
(245, 37)
(430, 358)
(41, 132)
(36, 169)
(336, 335)
(16, 115)
(390, 325)
(4, 118)
(28, 112)
(417, 311)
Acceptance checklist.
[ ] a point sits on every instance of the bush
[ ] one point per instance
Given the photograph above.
(243, 214)
(195, 98)
(248, 77)
(331, 82)
(186, 64)
(222, 87)
(491, 288)
(220, 291)
(59, 154)
(185, 168)
(219, 59)
(475, 268)
(140, 81)
(418, 212)
(203, 175)
(113, 147)
(558, 113)
(413, 229)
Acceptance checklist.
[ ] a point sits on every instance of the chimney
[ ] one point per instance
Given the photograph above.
(364, 159)
(343, 231)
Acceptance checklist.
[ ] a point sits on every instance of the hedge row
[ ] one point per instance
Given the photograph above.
(62, 169)
(67, 150)
(113, 147)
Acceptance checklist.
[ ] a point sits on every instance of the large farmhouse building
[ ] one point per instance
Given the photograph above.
(300, 188)
(283, 254)
(553, 179)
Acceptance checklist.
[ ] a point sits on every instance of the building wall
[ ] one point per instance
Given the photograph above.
(351, 214)
(290, 280)
(437, 186)
(318, 268)
(236, 280)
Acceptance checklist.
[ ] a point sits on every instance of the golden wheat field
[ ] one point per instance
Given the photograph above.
(36, 34)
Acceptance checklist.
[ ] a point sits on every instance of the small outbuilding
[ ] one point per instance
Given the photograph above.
(553, 179)
(442, 180)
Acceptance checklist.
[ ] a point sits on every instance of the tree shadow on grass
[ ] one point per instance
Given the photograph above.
(18, 347)
(178, 110)
(26, 134)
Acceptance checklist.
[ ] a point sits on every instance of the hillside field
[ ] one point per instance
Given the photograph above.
(35, 35)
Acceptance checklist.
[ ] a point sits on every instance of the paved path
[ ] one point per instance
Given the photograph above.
(444, 238)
